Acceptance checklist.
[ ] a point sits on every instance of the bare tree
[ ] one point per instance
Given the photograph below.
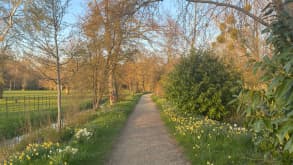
(257, 18)
(7, 12)
(46, 18)
(279, 5)
(118, 28)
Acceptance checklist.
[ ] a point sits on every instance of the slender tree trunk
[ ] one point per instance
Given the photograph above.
(10, 85)
(194, 32)
(1, 81)
(98, 101)
(116, 89)
(111, 87)
(59, 93)
(95, 88)
(110, 71)
(58, 69)
(99, 95)
(1, 91)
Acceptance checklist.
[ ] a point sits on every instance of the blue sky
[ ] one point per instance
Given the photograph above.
(78, 9)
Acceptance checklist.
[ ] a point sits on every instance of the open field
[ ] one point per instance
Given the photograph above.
(36, 100)
(21, 111)
(30, 93)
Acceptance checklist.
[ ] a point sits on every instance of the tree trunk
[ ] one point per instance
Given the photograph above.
(59, 90)
(99, 95)
(1, 91)
(111, 87)
(58, 68)
(98, 101)
(59, 93)
(10, 85)
(194, 33)
(95, 89)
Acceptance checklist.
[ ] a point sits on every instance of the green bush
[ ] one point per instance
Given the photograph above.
(202, 84)
(270, 110)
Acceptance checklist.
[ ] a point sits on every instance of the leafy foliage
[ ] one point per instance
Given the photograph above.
(270, 110)
(201, 84)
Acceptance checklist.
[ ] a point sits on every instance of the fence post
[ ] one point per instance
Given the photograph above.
(43, 102)
(6, 106)
(38, 103)
(24, 103)
(34, 103)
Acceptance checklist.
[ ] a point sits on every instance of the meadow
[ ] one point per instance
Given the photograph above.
(36, 100)
(22, 111)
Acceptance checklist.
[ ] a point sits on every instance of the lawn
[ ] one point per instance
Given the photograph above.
(23, 111)
(37, 100)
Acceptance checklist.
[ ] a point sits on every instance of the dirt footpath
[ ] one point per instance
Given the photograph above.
(145, 140)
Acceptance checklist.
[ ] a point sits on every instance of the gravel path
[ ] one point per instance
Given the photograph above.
(145, 140)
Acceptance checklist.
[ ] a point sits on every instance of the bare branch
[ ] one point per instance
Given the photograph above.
(254, 17)
(10, 19)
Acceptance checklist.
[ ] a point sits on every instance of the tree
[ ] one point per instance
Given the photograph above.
(279, 7)
(46, 18)
(8, 10)
(257, 18)
(172, 36)
(239, 43)
(118, 26)
(2, 81)
(141, 73)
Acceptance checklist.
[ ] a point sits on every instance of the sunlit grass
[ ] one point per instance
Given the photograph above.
(38, 100)
(207, 141)
(24, 111)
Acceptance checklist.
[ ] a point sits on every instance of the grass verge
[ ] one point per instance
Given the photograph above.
(210, 142)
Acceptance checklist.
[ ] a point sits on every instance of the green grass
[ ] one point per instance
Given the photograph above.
(17, 123)
(106, 129)
(28, 110)
(37, 100)
(30, 93)
(210, 142)
(106, 125)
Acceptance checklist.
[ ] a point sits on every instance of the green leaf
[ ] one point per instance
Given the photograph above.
(289, 146)
(258, 125)
(288, 66)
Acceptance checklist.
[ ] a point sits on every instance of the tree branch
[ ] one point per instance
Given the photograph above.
(254, 17)
(10, 20)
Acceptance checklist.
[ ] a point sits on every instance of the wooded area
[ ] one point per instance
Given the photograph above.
(228, 60)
